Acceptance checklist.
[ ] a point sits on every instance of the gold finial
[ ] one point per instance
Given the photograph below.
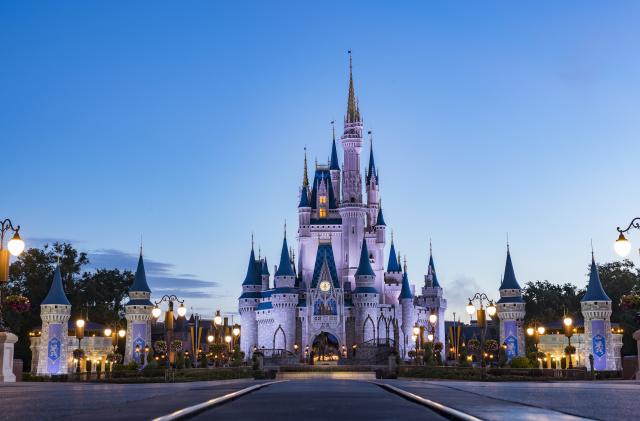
(305, 177)
(405, 263)
(140, 244)
(333, 129)
(507, 242)
(259, 253)
(430, 249)
(592, 254)
(285, 228)
(391, 235)
(251, 240)
(399, 259)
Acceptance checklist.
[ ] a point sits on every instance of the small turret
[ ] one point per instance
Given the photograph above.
(285, 276)
(511, 312)
(138, 315)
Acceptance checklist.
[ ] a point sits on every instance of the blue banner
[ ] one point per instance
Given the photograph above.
(599, 345)
(138, 340)
(511, 338)
(54, 348)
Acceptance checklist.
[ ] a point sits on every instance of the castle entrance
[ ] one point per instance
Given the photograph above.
(326, 349)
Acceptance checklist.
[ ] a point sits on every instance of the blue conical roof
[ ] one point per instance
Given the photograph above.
(364, 267)
(393, 265)
(56, 293)
(509, 281)
(252, 274)
(334, 157)
(405, 292)
(372, 167)
(304, 198)
(432, 272)
(595, 292)
(265, 267)
(140, 281)
(380, 220)
(285, 268)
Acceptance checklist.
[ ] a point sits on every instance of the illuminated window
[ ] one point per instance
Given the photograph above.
(323, 213)
(323, 200)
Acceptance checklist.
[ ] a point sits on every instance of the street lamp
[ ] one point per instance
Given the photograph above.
(481, 322)
(107, 332)
(15, 247)
(79, 336)
(168, 319)
(416, 336)
(217, 320)
(622, 246)
(568, 332)
(535, 332)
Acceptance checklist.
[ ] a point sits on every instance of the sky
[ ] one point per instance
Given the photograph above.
(184, 124)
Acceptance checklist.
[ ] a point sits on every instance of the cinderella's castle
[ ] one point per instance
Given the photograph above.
(339, 287)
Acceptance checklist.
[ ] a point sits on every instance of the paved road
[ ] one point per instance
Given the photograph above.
(320, 400)
(605, 400)
(88, 401)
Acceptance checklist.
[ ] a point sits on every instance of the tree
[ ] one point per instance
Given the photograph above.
(546, 302)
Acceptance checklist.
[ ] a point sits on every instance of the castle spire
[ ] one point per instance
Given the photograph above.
(405, 292)
(305, 176)
(372, 165)
(285, 269)
(140, 280)
(353, 112)
(509, 281)
(431, 270)
(56, 293)
(595, 292)
(333, 165)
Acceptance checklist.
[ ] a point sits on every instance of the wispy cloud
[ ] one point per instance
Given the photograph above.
(160, 275)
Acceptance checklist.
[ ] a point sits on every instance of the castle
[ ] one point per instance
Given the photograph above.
(339, 288)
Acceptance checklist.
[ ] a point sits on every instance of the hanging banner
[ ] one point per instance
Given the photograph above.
(511, 338)
(598, 338)
(139, 334)
(54, 348)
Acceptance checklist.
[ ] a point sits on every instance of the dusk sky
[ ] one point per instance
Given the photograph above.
(185, 123)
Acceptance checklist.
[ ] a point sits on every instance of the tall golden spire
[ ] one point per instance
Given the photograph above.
(305, 177)
(353, 112)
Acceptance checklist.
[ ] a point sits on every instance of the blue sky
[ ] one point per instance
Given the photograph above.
(185, 122)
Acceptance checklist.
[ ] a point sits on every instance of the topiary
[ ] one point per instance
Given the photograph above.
(520, 362)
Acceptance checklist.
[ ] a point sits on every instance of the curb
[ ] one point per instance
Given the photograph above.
(196, 409)
(452, 414)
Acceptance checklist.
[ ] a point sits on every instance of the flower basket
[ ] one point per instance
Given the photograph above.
(18, 303)
(176, 345)
(437, 347)
(569, 349)
(473, 345)
(491, 345)
(160, 347)
(78, 353)
(114, 358)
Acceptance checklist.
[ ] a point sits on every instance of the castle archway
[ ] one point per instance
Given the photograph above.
(325, 347)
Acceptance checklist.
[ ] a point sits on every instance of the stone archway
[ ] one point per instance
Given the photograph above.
(325, 347)
(279, 339)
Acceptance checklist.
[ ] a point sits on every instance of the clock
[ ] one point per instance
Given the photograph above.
(325, 286)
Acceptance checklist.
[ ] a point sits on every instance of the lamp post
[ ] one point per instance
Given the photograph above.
(168, 319)
(482, 322)
(15, 247)
(568, 332)
(79, 336)
(535, 332)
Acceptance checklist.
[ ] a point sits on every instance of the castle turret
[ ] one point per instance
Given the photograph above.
(334, 167)
(510, 310)
(284, 299)
(407, 315)
(432, 297)
(598, 339)
(365, 298)
(264, 274)
(247, 303)
(373, 189)
(55, 312)
(138, 315)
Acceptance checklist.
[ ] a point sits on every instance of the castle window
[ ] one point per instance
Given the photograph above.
(323, 200)
(323, 213)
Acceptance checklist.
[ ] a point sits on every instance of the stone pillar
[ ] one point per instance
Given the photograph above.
(7, 339)
(636, 336)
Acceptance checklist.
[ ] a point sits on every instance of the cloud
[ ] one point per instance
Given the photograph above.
(160, 275)
(39, 242)
(458, 292)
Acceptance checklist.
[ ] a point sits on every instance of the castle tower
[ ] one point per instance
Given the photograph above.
(510, 310)
(334, 167)
(55, 312)
(432, 297)
(365, 299)
(247, 303)
(596, 310)
(284, 300)
(264, 274)
(138, 315)
(393, 276)
(407, 315)
(352, 211)
(373, 189)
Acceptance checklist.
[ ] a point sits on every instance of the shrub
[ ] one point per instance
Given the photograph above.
(520, 362)
(180, 361)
